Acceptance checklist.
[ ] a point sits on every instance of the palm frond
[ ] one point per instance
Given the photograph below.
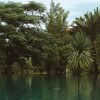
(79, 52)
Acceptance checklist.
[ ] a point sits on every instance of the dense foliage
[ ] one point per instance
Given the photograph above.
(26, 47)
(79, 53)
(90, 25)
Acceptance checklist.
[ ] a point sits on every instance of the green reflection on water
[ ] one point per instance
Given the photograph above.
(44, 87)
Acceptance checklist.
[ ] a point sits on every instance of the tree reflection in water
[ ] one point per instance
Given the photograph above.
(49, 87)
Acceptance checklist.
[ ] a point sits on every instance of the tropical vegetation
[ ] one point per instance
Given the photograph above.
(27, 47)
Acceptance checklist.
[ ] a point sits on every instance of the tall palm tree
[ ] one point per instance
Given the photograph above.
(79, 53)
(90, 24)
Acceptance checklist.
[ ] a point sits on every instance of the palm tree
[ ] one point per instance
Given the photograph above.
(90, 24)
(79, 53)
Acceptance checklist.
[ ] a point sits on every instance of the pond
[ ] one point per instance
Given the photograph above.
(49, 87)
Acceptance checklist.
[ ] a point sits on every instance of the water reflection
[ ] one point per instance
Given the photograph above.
(44, 87)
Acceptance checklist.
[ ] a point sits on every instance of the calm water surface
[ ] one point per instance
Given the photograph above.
(44, 87)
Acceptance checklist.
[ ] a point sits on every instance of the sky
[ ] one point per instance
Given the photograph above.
(76, 8)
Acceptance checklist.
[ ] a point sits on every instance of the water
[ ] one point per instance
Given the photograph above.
(44, 87)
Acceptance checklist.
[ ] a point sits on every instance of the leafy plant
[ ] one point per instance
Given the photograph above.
(79, 53)
(56, 19)
(90, 24)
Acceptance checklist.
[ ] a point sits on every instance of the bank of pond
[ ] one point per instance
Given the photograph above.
(43, 70)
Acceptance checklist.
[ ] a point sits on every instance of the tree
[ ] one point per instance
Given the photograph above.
(90, 24)
(19, 22)
(56, 23)
(79, 53)
(56, 19)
